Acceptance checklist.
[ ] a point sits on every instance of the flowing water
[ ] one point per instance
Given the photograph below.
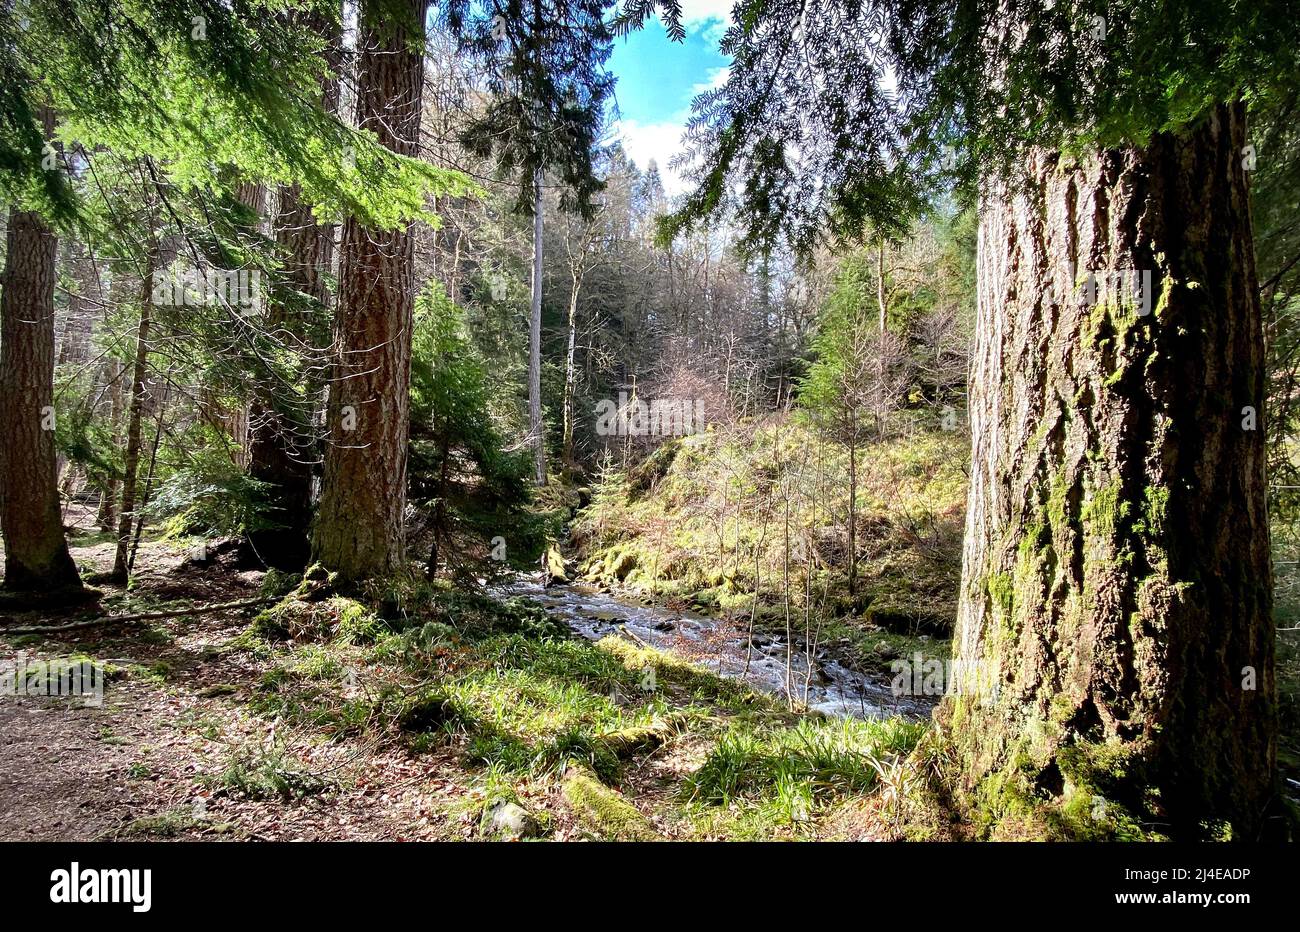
(723, 647)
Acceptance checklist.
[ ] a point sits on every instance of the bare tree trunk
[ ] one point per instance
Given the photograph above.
(853, 518)
(156, 262)
(107, 517)
(535, 340)
(1117, 586)
(360, 530)
(148, 479)
(36, 554)
(880, 285)
(571, 372)
(115, 372)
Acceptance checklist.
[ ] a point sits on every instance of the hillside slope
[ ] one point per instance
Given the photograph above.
(751, 521)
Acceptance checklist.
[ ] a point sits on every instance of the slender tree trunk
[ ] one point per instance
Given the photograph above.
(107, 517)
(36, 554)
(118, 291)
(853, 517)
(155, 264)
(440, 510)
(571, 372)
(880, 286)
(360, 531)
(148, 480)
(535, 340)
(1117, 586)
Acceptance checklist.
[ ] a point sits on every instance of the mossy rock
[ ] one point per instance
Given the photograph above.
(604, 811)
(557, 573)
(506, 820)
(623, 566)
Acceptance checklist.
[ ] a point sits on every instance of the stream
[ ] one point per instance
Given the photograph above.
(720, 646)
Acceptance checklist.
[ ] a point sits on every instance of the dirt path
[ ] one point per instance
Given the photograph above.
(155, 759)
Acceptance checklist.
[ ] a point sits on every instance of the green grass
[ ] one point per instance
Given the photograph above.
(518, 703)
(816, 758)
(268, 773)
(163, 825)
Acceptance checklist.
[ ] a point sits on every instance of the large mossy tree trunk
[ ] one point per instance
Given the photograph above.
(36, 553)
(359, 531)
(1117, 585)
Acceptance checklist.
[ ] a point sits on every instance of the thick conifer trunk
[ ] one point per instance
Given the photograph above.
(281, 452)
(1117, 583)
(36, 552)
(359, 529)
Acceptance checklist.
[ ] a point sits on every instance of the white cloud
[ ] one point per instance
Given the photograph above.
(662, 141)
(658, 141)
(717, 78)
(710, 18)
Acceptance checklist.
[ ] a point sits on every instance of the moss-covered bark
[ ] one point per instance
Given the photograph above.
(1116, 579)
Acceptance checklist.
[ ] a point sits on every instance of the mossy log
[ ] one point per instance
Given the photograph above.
(604, 811)
(639, 739)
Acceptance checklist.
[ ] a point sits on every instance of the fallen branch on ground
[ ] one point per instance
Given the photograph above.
(139, 616)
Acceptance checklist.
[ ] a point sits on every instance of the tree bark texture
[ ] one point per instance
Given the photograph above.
(1115, 633)
(360, 530)
(36, 552)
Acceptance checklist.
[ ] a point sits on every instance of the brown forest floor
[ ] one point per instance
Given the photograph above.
(143, 763)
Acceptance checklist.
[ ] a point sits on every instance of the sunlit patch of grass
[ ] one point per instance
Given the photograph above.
(531, 700)
(314, 662)
(524, 702)
(669, 671)
(163, 825)
(816, 758)
(530, 719)
(282, 694)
